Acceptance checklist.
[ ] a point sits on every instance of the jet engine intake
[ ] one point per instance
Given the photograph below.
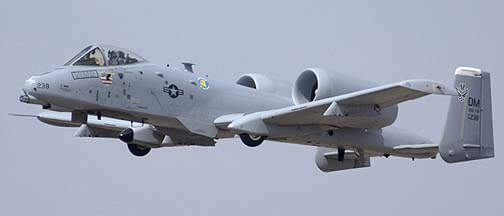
(263, 83)
(315, 84)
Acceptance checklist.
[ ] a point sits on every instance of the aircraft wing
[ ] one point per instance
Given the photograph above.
(359, 104)
(106, 127)
(110, 128)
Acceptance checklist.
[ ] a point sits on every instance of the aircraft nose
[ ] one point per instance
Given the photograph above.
(29, 89)
(30, 85)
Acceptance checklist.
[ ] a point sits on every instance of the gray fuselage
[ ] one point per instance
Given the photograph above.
(162, 96)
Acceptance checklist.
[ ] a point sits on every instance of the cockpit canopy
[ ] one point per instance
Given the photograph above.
(104, 55)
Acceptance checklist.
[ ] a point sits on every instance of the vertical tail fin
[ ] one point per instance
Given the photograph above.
(468, 133)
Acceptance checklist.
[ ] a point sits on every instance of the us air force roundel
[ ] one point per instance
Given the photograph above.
(173, 91)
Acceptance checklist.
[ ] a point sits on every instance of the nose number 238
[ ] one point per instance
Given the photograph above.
(43, 85)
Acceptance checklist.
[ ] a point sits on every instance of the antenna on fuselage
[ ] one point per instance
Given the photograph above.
(188, 66)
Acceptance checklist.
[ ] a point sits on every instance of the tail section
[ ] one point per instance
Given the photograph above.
(468, 133)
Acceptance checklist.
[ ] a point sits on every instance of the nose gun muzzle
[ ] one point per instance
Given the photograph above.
(32, 100)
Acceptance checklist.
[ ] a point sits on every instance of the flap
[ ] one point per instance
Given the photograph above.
(417, 149)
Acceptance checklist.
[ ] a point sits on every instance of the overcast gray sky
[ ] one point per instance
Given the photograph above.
(46, 171)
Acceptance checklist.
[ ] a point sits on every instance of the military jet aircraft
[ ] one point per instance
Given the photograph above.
(109, 92)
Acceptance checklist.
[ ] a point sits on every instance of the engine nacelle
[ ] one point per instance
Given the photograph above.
(263, 83)
(327, 160)
(315, 84)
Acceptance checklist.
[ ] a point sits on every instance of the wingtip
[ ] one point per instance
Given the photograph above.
(468, 71)
(22, 115)
(429, 86)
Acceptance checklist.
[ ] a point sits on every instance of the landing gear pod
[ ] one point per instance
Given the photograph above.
(468, 133)
(252, 140)
(140, 139)
(329, 160)
(138, 150)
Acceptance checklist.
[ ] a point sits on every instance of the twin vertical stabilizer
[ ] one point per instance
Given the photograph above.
(468, 133)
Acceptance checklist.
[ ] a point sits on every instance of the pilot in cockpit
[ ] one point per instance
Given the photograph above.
(94, 58)
(118, 57)
(104, 56)
(98, 57)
